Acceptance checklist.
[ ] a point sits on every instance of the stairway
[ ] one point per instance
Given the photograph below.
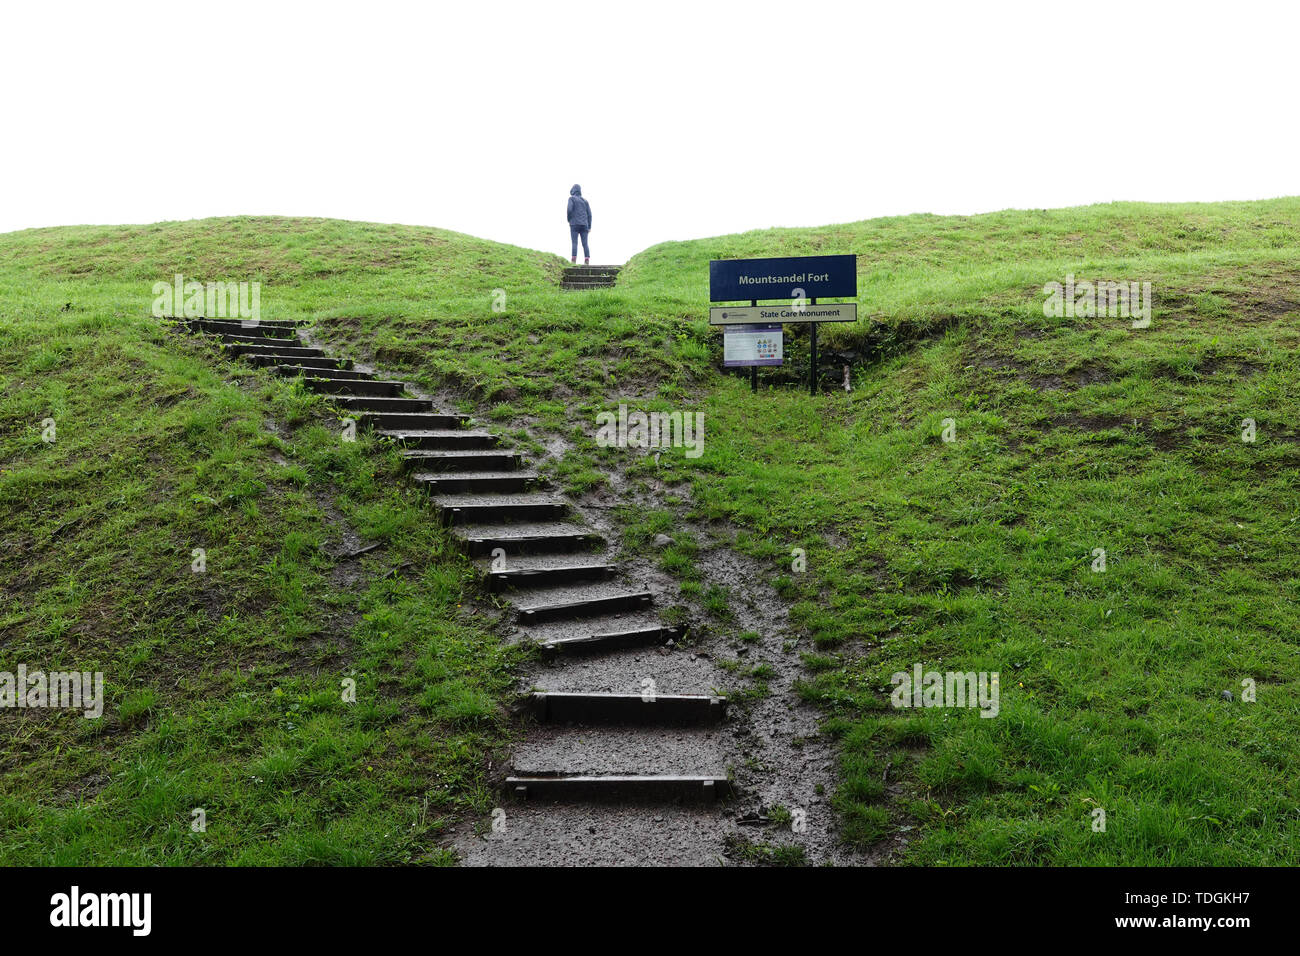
(576, 278)
(601, 731)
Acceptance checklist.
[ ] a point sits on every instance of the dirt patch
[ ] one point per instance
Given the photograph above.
(84, 789)
(1229, 367)
(1164, 438)
(1271, 297)
(1262, 304)
(1089, 373)
(348, 548)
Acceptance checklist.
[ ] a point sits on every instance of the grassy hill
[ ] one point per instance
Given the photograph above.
(224, 687)
(1071, 435)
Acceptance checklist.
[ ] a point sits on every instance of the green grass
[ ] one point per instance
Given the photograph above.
(760, 853)
(1071, 435)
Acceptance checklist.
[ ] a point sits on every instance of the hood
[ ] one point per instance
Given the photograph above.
(576, 190)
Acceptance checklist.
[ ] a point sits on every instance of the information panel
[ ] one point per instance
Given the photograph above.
(751, 345)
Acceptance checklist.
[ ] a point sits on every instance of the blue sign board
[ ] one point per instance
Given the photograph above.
(738, 280)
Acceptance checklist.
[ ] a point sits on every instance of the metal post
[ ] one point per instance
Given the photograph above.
(753, 369)
(812, 355)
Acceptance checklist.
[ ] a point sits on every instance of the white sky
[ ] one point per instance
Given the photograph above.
(680, 120)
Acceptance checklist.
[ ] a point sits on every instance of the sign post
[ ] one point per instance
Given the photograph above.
(802, 280)
(812, 358)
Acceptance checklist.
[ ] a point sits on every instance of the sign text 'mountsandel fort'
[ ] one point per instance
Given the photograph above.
(735, 280)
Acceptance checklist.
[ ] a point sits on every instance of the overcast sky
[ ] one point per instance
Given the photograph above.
(679, 120)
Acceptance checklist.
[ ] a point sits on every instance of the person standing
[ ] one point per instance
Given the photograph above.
(579, 224)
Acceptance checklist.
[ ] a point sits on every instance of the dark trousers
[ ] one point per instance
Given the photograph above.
(574, 233)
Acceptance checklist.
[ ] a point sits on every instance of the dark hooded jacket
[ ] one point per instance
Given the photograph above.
(579, 208)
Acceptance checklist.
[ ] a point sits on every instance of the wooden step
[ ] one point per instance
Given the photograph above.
(557, 707)
(622, 788)
(331, 386)
(236, 327)
(589, 607)
(555, 542)
(461, 460)
(415, 421)
(337, 374)
(612, 641)
(294, 350)
(478, 482)
(378, 403)
(462, 513)
(300, 361)
(269, 323)
(228, 338)
(446, 439)
(545, 577)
